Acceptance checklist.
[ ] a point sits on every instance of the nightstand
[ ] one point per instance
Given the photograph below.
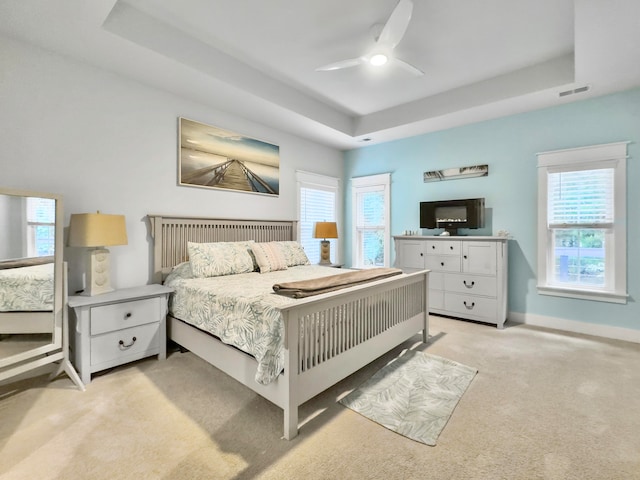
(117, 327)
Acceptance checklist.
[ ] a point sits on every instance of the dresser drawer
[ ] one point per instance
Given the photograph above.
(443, 263)
(436, 280)
(107, 318)
(115, 346)
(469, 305)
(436, 299)
(442, 247)
(470, 284)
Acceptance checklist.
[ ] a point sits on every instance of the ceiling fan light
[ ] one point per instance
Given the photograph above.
(378, 59)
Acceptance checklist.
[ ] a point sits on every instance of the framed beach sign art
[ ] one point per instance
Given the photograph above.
(211, 157)
(455, 173)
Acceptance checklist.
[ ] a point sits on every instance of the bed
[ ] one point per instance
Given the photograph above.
(26, 295)
(324, 338)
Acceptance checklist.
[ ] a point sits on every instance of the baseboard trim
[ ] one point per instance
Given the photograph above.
(606, 331)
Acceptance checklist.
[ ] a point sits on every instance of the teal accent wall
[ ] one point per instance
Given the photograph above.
(509, 146)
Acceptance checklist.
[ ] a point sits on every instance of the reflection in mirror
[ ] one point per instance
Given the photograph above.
(27, 272)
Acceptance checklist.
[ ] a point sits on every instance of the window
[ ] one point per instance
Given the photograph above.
(371, 234)
(582, 223)
(41, 223)
(317, 202)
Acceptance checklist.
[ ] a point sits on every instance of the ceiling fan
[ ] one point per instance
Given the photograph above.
(382, 53)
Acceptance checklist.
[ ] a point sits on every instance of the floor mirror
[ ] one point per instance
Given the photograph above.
(31, 281)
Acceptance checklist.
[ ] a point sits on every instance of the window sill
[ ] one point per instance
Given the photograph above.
(596, 295)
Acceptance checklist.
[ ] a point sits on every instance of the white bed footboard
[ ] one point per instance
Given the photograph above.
(350, 319)
(331, 336)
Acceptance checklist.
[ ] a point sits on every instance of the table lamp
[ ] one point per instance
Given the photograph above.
(325, 230)
(96, 231)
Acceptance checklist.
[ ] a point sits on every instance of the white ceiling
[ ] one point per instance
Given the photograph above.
(257, 59)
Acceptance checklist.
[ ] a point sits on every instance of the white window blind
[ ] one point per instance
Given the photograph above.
(371, 213)
(315, 206)
(317, 202)
(41, 219)
(582, 198)
(41, 210)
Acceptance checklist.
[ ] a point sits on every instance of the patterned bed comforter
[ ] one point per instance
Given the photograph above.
(241, 310)
(27, 289)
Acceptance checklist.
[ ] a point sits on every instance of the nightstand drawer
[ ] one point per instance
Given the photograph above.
(108, 318)
(137, 341)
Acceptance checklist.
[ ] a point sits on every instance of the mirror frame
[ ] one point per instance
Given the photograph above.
(36, 357)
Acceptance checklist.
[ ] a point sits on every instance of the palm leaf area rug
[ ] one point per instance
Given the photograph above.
(413, 395)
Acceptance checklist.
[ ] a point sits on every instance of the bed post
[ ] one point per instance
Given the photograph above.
(290, 375)
(156, 234)
(425, 330)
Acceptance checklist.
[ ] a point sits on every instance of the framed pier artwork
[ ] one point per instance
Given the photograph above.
(211, 157)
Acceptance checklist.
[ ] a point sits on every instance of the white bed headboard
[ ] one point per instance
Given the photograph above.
(170, 236)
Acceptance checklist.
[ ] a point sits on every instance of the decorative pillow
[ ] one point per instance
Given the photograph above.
(269, 257)
(183, 270)
(293, 253)
(220, 258)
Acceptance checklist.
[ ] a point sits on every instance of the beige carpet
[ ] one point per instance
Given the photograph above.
(546, 405)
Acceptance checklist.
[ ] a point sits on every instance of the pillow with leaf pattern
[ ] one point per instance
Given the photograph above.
(293, 253)
(220, 258)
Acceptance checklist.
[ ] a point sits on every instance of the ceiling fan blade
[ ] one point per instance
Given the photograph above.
(352, 62)
(396, 26)
(408, 67)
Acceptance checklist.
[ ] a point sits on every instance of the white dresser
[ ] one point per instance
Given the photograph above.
(468, 276)
(117, 327)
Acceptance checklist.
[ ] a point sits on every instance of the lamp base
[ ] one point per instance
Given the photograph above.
(98, 279)
(325, 252)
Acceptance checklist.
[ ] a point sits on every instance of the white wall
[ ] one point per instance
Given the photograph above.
(108, 143)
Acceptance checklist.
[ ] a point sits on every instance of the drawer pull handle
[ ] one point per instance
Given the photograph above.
(473, 304)
(421, 254)
(465, 257)
(451, 247)
(469, 286)
(123, 346)
(128, 315)
(433, 247)
(442, 264)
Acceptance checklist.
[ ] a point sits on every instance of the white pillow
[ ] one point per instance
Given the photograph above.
(293, 253)
(269, 257)
(220, 258)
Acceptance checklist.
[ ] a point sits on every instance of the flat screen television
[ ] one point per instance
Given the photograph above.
(452, 214)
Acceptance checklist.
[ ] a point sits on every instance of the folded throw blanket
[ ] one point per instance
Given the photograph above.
(316, 286)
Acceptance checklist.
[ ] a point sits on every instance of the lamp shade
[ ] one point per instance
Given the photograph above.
(97, 230)
(325, 230)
